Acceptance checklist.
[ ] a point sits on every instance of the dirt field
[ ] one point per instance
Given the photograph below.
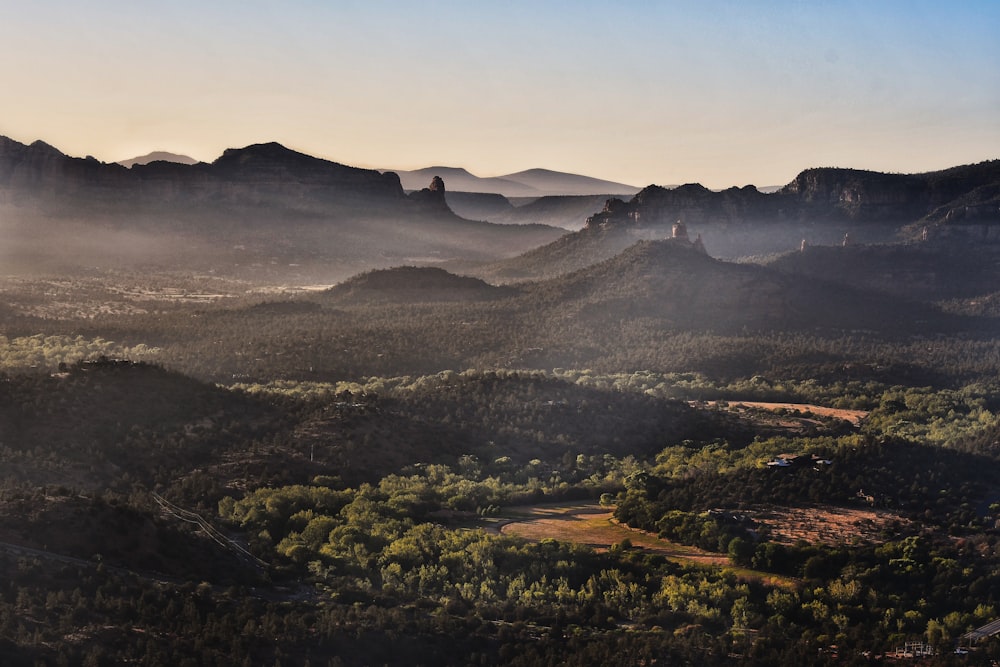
(593, 525)
(852, 416)
(828, 525)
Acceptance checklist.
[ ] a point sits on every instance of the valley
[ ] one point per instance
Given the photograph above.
(340, 424)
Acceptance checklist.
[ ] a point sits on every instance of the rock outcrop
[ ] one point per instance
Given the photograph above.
(693, 203)
(431, 198)
(822, 195)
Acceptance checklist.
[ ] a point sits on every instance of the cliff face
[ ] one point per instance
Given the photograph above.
(432, 198)
(692, 203)
(41, 172)
(973, 216)
(818, 195)
(857, 195)
(272, 167)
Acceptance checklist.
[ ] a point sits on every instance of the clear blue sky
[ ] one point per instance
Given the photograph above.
(723, 93)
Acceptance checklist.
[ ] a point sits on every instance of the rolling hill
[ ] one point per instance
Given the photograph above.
(934, 270)
(658, 305)
(672, 282)
(409, 284)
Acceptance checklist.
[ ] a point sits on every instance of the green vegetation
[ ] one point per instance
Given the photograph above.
(356, 456)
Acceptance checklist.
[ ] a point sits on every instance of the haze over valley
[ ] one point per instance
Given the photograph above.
(684, 352)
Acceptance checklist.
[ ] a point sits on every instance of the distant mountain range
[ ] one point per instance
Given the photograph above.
(158, 156)
(823, 195)
(566, 211)
(821, 207)
(529, 183)
(264, 212)
(261, 212)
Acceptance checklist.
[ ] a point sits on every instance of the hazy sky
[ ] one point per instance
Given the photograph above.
(724, 93)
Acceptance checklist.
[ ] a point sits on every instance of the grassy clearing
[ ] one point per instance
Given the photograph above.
(594, 525)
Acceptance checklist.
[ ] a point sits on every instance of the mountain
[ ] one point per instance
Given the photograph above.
(59, 184)
(262, 212)
(411, 284)
(934, 270)
(158, 156)
(107, 402)
(678, 286)
(528, 183)
(551, 182)
(972, 215)
(571, 252)
(566, 211)
(820, 207)
(663, 305)
(816, 195)
(878, 197)
(461, 180)
(479, 205)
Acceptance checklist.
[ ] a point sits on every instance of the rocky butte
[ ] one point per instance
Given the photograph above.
(431, 198)
(966, 193)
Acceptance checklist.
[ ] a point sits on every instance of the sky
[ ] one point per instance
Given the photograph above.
(717, 92)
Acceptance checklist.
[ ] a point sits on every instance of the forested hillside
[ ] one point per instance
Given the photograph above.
(655, 457)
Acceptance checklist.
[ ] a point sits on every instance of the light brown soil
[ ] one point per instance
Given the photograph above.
(828, 525)
(852, 416)
(594, 526)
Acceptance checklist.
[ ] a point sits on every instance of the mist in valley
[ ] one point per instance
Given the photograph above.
(277, 392)
(334, 416)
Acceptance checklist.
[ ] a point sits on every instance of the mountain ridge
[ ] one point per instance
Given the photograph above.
(535, 182)
(158, 156)
(673, 281)
(821, 206)
(251, 209)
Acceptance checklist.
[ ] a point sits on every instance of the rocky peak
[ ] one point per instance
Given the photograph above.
(693, 202)
(42, 171)
(432, 197)
(615, 211)
(42, 148)
(267, 160)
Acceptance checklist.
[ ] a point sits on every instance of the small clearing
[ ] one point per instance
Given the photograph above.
(853, 416)
(593, 525)
(826, 524)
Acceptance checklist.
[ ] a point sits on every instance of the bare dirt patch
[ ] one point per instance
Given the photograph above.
(594, 525)
(829, 525)
(794, 409)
